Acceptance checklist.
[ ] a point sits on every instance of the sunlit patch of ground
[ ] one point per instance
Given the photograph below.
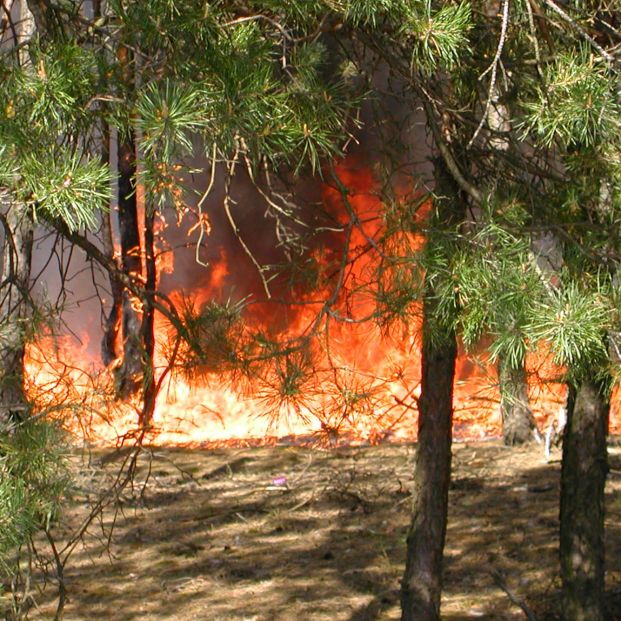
(286, 533)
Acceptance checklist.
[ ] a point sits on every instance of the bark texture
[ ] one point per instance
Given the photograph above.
(583, 478)
(128, 374)
(14, 297)
(422, 582)
(421, 587)
(18, 225)
(518, 423)
(148, 323)
(112, 324)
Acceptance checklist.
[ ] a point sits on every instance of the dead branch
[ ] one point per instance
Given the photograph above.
(229, 214)
(498, 579)
(494, 71)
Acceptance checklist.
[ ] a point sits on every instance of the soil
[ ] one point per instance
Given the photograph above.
(291, 533)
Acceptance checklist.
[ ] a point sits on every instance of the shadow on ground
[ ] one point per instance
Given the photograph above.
(219, 535)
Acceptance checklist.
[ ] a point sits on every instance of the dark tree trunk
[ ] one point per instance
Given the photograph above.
(422, 583)
(583, 479)
(18, 227)
(518, 423)
(128, 374)
(112, 324)
(421, 587)
(14, 300)
(148, 323)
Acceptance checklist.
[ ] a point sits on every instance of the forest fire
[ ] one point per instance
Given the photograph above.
(310, 310)
(355, 381)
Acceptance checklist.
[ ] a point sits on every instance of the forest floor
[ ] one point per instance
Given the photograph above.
(289, 533)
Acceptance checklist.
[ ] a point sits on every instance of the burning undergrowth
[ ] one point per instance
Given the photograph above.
(330, 356)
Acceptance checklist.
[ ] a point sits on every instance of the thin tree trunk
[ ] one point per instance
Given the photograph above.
(128, 374)
(583, 478)
(148, 323)
(422, 583)
(18, 224)
(14, 296)
(518, 423)
(112, 325)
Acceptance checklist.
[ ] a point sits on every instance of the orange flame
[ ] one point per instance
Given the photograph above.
(359, 382)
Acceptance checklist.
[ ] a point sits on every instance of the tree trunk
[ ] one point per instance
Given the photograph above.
(112, 325)
(148, 323)
(518, 423)
(422, 582)
(128, 374)
(14, 296)
(421, 587)
(18, 224)
(109, 352)
(583, 479)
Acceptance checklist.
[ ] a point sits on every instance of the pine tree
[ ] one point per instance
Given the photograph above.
(558, 175)
(18, 233)
(527, 125)
(251, 107)
(46, 174)
(422, 581)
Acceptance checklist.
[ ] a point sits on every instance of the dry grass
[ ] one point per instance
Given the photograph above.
(208, 535)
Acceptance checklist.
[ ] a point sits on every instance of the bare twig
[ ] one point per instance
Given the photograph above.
(533, 32)
(530, 615)
(60, 566)
(229, 214)
(201, 218)
(494, 71)
(581, 31)
(449, 159)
